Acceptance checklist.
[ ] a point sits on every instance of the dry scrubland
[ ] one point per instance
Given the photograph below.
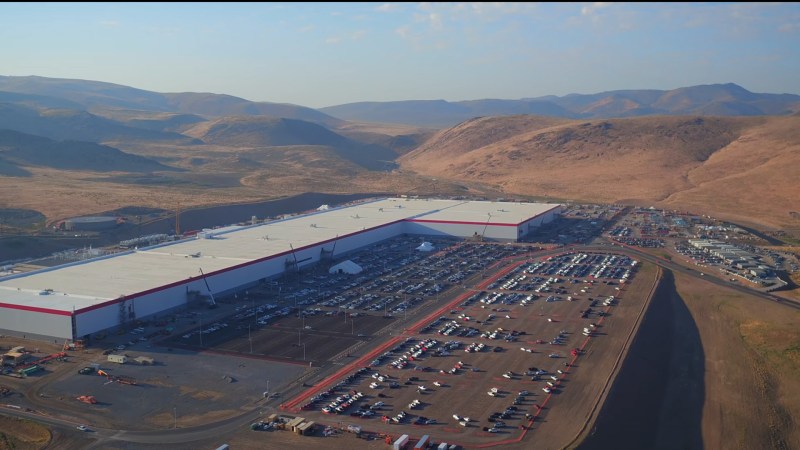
(752, 362)
(741, 169)
(21, 434)
(735, 168)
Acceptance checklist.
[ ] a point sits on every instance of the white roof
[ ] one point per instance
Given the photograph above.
(425, 247)
(482, 212)
(346, 267)
(88, 283)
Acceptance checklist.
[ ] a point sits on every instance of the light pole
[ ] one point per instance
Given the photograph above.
(175, 416)
(250, 338)
(304, 352)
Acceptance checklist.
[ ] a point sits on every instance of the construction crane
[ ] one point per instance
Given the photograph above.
(483, 233)
(178, 220)
(212, 304)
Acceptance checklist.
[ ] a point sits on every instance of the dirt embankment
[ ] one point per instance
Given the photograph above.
(710, 368)
(657, 399)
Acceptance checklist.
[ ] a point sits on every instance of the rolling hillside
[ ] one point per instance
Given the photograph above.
(261, 132)
(96, 96)
(19, 151)
(740, 168)
(70, 124)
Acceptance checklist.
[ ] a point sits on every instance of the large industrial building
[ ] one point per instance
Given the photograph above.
(75, 300)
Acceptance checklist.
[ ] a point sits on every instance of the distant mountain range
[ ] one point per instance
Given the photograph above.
(707, 100)
(95, 96)
(673, 148)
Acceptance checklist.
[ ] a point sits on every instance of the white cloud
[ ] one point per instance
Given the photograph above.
(789, 28)
(307, 28)
(333, 40)
(403, 31)
(435, 20)
(109, 23)
(588, 10)
(388, 7)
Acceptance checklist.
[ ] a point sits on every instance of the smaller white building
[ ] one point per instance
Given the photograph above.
(425, 247)
(348, 267)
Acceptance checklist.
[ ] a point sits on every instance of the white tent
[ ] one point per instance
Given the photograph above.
(348, 267)
(425, 247)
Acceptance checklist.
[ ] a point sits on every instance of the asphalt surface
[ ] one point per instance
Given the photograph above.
(226, 426)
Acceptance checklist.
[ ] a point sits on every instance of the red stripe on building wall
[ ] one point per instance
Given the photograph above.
(35, 309)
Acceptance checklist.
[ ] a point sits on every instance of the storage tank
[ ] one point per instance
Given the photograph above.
(92, 223)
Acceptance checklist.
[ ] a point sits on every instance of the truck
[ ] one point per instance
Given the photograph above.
(401, 443)
(119, 359)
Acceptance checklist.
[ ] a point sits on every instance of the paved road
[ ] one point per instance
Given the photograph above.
(224, 427)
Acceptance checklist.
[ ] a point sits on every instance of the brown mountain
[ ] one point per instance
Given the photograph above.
(70, 124)
(260, 132)
(96, 96)
(741, 168)
(19, 151)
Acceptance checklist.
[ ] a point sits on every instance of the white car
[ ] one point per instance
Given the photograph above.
(437, 384)
(374, 385)
(547, 390)
(83, 427)
(457, 417)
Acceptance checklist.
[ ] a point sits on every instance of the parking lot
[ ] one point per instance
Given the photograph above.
(549, 325)
(475, 331)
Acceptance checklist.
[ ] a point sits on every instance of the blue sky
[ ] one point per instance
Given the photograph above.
(326, 54)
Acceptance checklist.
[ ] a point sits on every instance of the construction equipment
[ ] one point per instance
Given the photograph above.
(87, 399)
(122, 379)
(125, 380)
(211, 304)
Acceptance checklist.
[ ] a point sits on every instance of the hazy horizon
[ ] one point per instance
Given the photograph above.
(321, 55)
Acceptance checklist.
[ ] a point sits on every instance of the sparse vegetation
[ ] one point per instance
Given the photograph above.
(19, 434)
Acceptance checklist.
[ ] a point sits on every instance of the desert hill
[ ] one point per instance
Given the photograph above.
(20, 149)
(739, 168)
(261, 132)
(70, 124)
(96, 96)
(707, 100)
